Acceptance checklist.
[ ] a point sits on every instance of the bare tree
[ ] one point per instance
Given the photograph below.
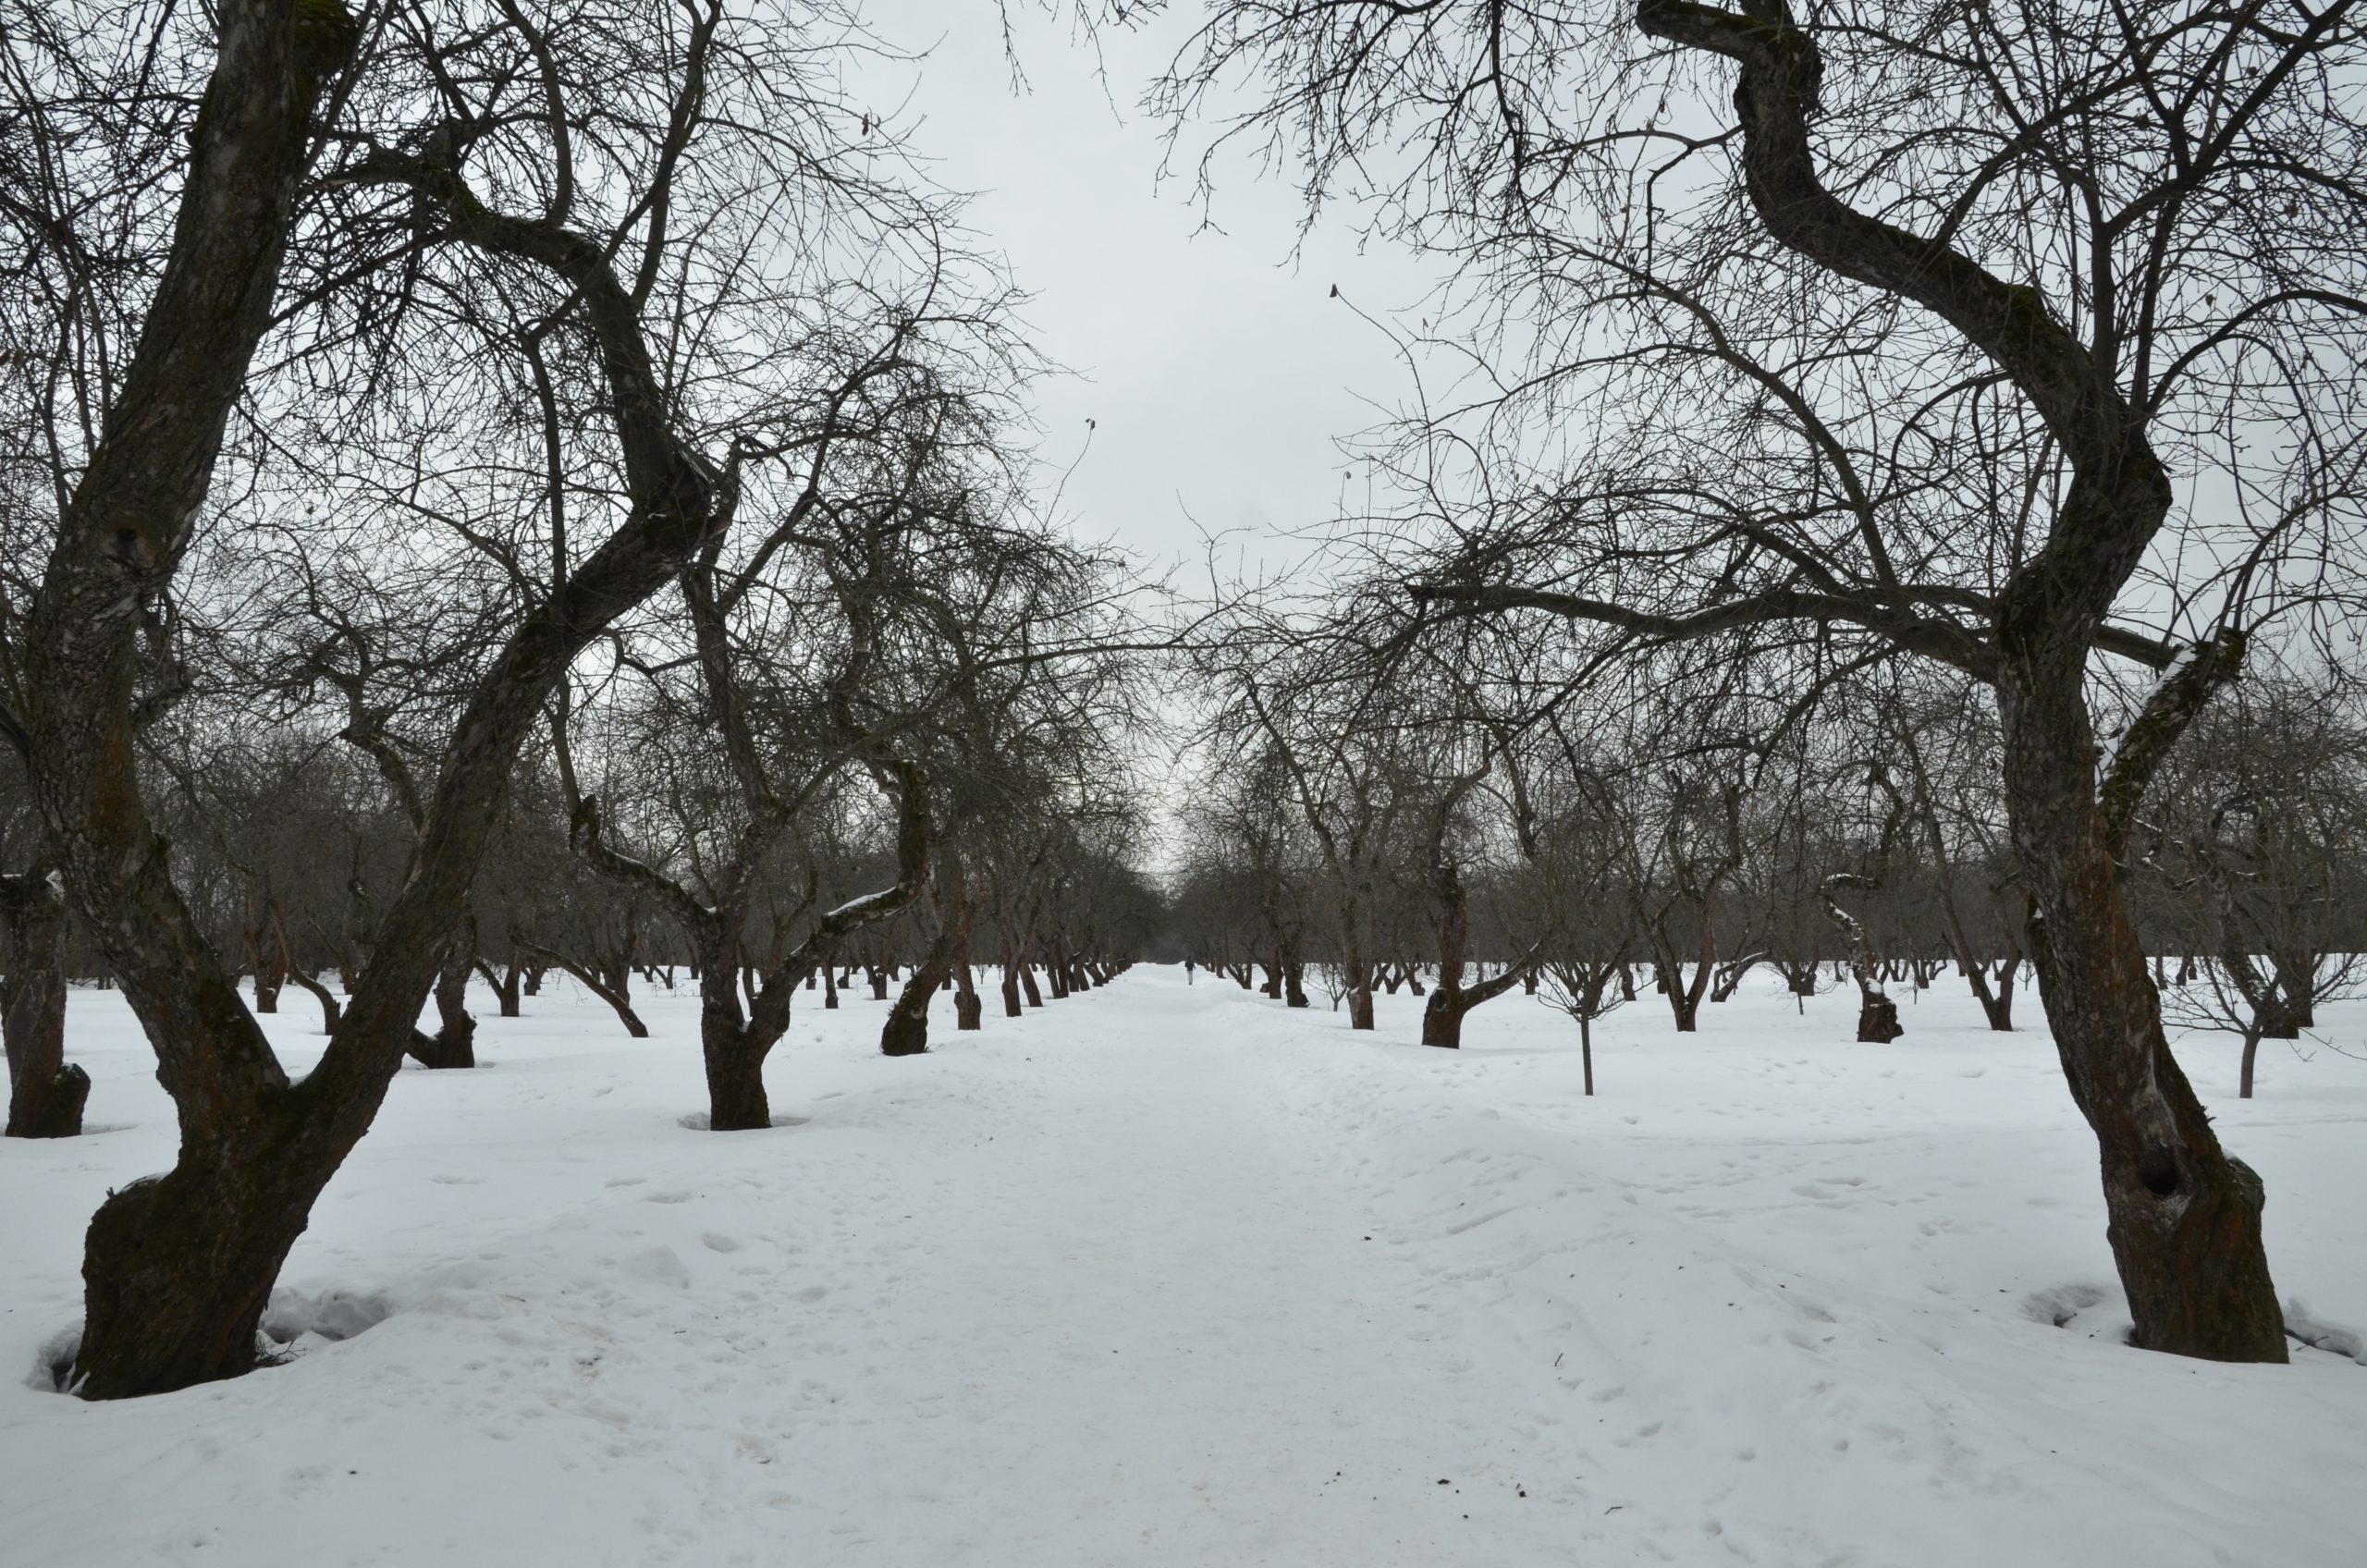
(1902, 346)
(473, 160)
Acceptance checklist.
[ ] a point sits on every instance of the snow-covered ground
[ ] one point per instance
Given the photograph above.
(1173, 1276)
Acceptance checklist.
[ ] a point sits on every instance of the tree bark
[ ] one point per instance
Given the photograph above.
(734, 1045)
(268, 952)
(330, 1008)
(584, 975)
(906, 1031)
(1359, 972)
(454, 1043)
(46, 1093)
(504, 982)
(2184, 1219)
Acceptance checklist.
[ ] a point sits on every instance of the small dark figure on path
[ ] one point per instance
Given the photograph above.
(1187, 972)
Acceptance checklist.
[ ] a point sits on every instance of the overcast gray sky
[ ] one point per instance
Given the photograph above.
(1217, 369)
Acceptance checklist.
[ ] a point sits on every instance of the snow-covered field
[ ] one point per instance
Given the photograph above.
(1173, 1276)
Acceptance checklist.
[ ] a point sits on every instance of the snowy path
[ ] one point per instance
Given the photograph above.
(1173, 1276)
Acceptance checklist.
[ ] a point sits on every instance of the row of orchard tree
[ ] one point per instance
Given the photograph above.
(1374, 822)
(584, 401)
(488, 487)
(1788, 347)
(290, 851)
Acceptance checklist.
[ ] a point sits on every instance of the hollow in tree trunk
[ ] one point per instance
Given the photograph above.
(2184, 1217)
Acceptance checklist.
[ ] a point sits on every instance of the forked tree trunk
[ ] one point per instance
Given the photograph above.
(1685, 996)
(454, 1043)
(735, 1045)
(177, 1268)
(906, 1031)
(2184, 1217)
(504, 982)
(1027, 983)
(1451, 1000)
(330, 1008)
(584, 975)
(1995, 995)
(1011, 1006)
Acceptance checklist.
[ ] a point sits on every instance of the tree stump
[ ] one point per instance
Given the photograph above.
(1878, 1021)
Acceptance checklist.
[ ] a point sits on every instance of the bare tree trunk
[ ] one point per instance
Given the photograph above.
(330, 1010)
(2183, 1217)
(1442, 1015)
(504, 982)
(1359, 980)
(735, 1045)
(968, 1011)
(267, 951)
(454, 1043)
(1293, 979)
(584, 976)
(46, 1093)
(906, 1031)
